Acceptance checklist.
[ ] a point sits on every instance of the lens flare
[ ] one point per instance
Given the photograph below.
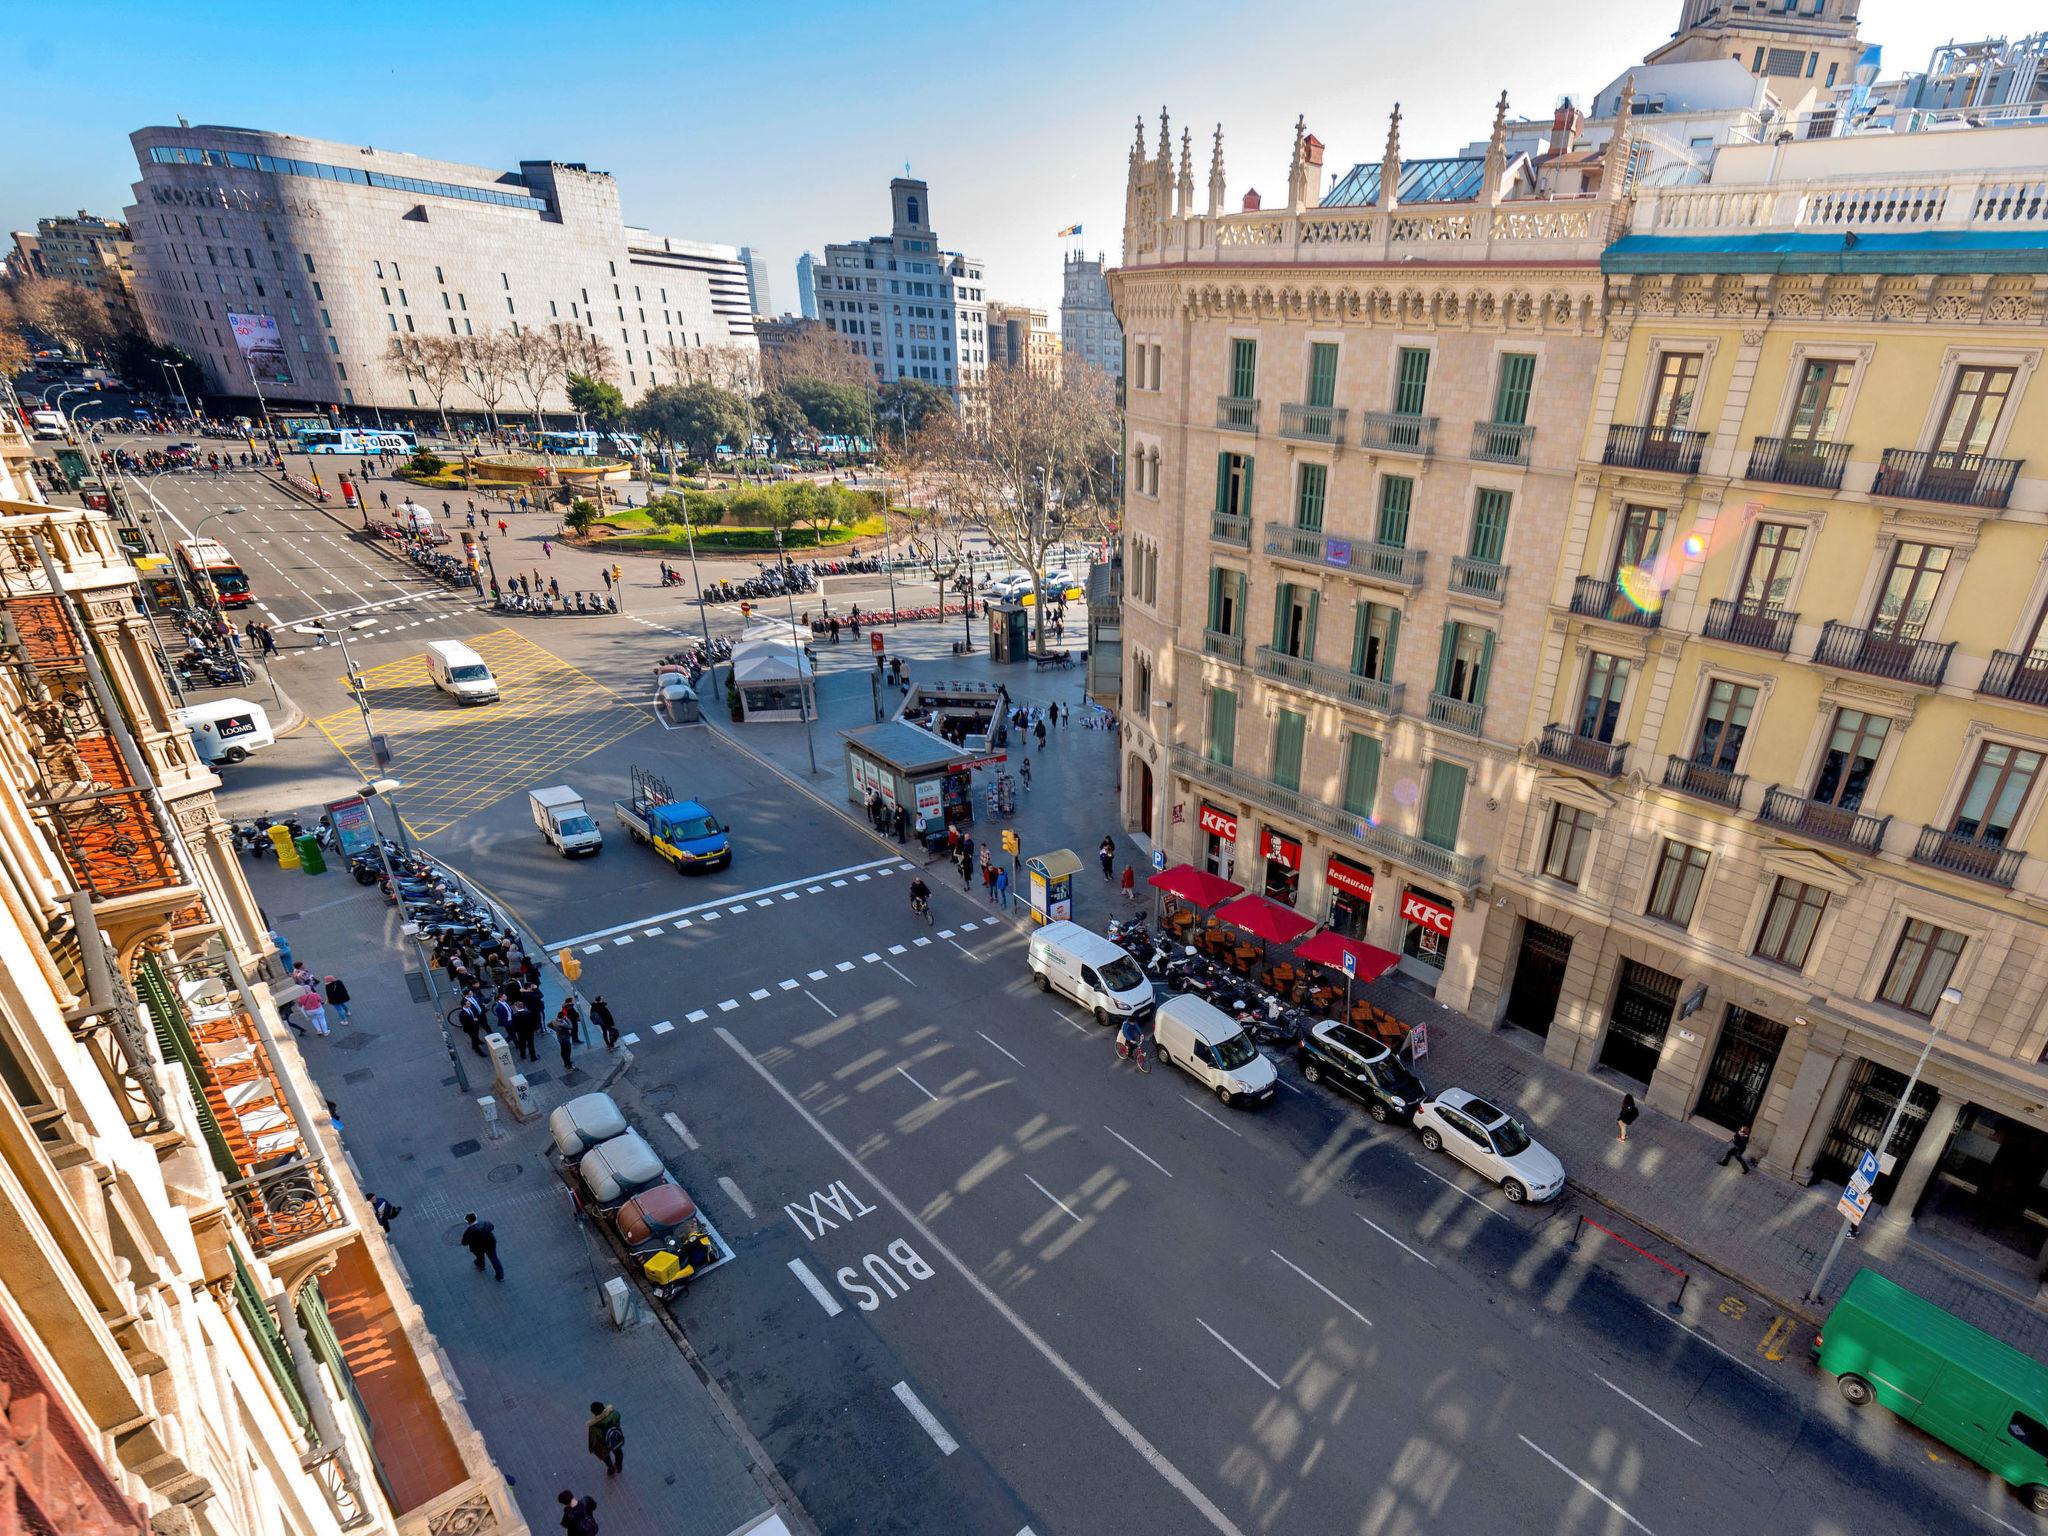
(1695, 546)
(1406, 791)
(1639, 586)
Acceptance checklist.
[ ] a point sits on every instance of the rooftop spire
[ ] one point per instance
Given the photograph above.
(1185, 203)
(1390, 162)
(1216, 175)
(1297, 169)
(1497, 152)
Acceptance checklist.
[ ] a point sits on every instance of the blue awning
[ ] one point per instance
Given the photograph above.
(1935, 251)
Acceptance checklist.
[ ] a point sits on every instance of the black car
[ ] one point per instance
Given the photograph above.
(1352, 1060)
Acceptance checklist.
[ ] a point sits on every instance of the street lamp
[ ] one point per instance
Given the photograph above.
(1943, 1011)
(174, 374)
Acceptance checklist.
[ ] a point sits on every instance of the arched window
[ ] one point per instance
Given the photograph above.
(911, 205)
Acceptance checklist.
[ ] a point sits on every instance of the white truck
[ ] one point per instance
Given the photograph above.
(564, 820)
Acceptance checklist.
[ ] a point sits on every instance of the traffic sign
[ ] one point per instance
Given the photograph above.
(1865, 1174)
(1855, 1201)
(1350, 965)
(1159, 858)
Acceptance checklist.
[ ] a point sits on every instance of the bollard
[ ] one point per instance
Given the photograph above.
(618, 1301)
(281, 840)
(493, 1130)
(523, 1107)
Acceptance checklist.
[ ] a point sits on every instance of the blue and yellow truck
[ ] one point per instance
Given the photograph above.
(684, 832)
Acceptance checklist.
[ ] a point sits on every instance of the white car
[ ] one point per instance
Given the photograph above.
(1492, 1143)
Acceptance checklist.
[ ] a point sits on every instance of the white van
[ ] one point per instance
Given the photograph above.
(460, 672)
(227, 730)
(1207, 1043)
(1092, 971)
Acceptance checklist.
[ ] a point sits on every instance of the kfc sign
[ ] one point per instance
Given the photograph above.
(1214, 821)
(1284, 851)
(1424, 913)
(1350, 878)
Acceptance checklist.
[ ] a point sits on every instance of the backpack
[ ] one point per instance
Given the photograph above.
(585, 1519)
(614, 1438)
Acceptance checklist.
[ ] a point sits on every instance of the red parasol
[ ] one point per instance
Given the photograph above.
(1195, 885)
(1264, 918)
(1329, 949)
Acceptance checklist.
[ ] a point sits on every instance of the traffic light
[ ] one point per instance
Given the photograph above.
(618, 572)
(746, 610)
(1010, 843)
(572, 968)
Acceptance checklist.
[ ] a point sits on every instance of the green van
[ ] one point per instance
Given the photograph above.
(1981, 1397)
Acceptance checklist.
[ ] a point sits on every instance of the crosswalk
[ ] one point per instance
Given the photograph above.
(741, 906)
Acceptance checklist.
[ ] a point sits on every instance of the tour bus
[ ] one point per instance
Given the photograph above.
(209, 567)
(357, 440)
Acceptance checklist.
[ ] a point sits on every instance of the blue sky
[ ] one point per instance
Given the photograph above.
(779, 125)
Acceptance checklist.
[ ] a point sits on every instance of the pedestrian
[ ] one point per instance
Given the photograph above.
(605, 1436)
(503, 1014)
(481, 1239)
(472, 1020)
(547, 548)
(579, 1516)
(1738, 1144)
(606, 573)
(382, 1209)
(1107, 853)
(1129, 882)
(1038, 730)
(319, 634)
(337, 997)
(902, 823)
(1626, 1117)
(286, 1007)
(1024, 772)
(601, 1016)
(269, 642)
(501, 526)
(565, 1034)
(988, 878)
(315, 1009)
(1002, 886)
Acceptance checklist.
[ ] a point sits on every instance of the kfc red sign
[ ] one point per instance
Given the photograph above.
(1350, 878)
(1284, 851)
(1216, 822)
(1424, 913)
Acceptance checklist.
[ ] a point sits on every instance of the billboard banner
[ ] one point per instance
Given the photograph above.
(261, 347)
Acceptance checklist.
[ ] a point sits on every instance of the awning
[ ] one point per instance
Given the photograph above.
(1264, 918)
(1329, 949)
(1195, 885)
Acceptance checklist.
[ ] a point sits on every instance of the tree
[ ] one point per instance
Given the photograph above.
(581, 514)
(782, 420)
(1039, 453)
(73, 316)
(597, 401)
(904, 404)
(436, 362)
(533, 362)
(401, 353)
(137, 360)
(487, 366)
(698, 417)
(584, 352)
(833, 410)
(818, 354)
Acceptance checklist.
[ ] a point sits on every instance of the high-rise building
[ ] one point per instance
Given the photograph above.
(1022, 337)
(912, 310)
(95, 253)
(1088, 326)
(201, 1329)
(756, 265)
(24, 258)
(327, 252)
(806, 286)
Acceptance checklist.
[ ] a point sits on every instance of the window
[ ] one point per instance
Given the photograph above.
(1294, 620)
(1852, 752)
(1773, 559)
(1361, 773)
(1790, 919)
(1997, 788)
(1141, 685)
(1244, 369)
(1222, 726)
(1724, 725)
(1375, 632)
(1511, 396)
(1322, 373)
(1464, 659)
(1490, 526)
(1233, 485)
(1397, 495)
(1226, 601)
(1564, 851)
(1642, 536)
(1289, 728)
(1817, 415)
(1411, 381)
(1678, 381)
(1681, 869)
(1443, 804)
(1975, 404)
(1600, 709)
(1907, 595)
(1308, 497)
(1922, 962)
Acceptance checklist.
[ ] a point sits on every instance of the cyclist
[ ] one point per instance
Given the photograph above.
(921, 898)
(1130, 1037)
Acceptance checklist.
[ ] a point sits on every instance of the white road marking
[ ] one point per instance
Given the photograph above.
(837, 884)
(1568, 1472)
(860, 877)
(757, 994)
(2001, 1524)
(870, 958)
(738, 1199)
(1717, 1349)
(786, 896)
(945, 933)
(920, 943)
(899, 973)
(593, 949)
(815, 976)
(765, 902)
(684, 923)
(1129, 1432)
(663, 1027)
(696, 1016)
(670, 1119)
(820, 1002)
(1383, 1232)
(1133, 1146)
(899, 949)
(1019, 1063)
(790, 984)
(844, 965)
(1055, 1199)
(1191, 1104)
(1312, 1280)
(1455, 1189)
(622, 939)
(1287, 1085)
(1653, 1413)
(920, 1087)
(1269, 1381)
(946, 1443)
(650, 933)
(712, 917)
(736, 911)
(970, 954)
(704, 907)
(814, 890)
(728, 1005)
(629, 1039)
(816, 1287)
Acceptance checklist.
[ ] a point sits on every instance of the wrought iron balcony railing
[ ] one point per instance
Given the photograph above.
(1459, 714)
(1313, 423)
(1979, 858)
(1398, 432)
(1229, 647)
(1923, 662)
(1850, 829)
(1561, 744)
(1798, 461)
(1367, 693)
(1703, 781)
(1376, 562)
(2021, 677)
(1954, 479)
(1608, 600)
(1664, 449)
(1236, 414)
(1764, 629)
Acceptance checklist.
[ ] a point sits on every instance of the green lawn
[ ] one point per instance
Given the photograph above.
(669, 541)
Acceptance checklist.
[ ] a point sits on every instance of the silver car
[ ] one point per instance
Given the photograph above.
(1492, 1143)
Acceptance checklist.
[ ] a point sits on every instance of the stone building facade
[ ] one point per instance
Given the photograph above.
(1088, 325)
(95, 253)
(1021, 337)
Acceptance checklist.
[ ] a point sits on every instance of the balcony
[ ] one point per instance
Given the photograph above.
(1236, 414)
(1993, 863)
(1225, 528)
(1373, 562)
(1458, 870)
(1458, 714)
(1229, 647)
(1662, 449)
(1919, 662)
(1367, 693)
(1798, 461)
(1479, 578)
(1953, 479)
(1703, 782)
(1763, 629)
(1397, 432)
(1313, 423)
(2021, 678)
(1597, 599)
(1561, 744)
(1846, 829)
(1501, 442)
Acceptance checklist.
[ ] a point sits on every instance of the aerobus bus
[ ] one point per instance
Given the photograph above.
(357, 440)
(208, 567)
(589, 444)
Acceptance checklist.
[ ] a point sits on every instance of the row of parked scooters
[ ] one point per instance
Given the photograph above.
(1270, 1020)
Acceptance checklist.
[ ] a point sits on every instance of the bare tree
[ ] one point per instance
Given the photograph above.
(487, 366)
(402, 353)
(816, 353)
(438, 363)
(73, 316)
(534, 361)
(585, 352)
(15, 353)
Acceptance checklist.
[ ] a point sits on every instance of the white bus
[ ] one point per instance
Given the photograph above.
(357, 440)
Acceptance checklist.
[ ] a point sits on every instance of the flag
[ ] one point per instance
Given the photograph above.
(1071, 229)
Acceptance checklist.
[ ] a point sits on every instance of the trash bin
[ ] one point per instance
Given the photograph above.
(310, 857)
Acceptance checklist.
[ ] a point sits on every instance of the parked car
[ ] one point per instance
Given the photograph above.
(1351, 1059)
(1211, 1047)
(1492, 1143)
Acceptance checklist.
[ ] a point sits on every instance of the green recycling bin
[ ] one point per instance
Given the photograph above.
(310, 857)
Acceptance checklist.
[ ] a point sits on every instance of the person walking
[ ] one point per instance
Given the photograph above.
(1128, 883)
(319, 629)
(382, 1209)
(579, 1516)
(605, 1435)
(988, 878)
(481, 1239)
(1738, 1144)
(1002, 887)
(269, 640)
(565, 1034)
(601, 1016)
(1038, 730)
(315, 1008)
(1024, 772)
(1107, 854)
(503, 1014)
(337, 997)
(1626, 1117)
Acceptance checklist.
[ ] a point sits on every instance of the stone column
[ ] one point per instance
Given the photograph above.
(1941, 1123)
(1815, 1132)
(1808, 1088)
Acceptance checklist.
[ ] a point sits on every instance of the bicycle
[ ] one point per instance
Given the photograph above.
(923, 908)
(1134, 1051)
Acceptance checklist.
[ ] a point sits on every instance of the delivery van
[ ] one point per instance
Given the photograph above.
(460, 672)
(227, 730)
(1089, 969)
(1975, 1394)
(1212, 1048)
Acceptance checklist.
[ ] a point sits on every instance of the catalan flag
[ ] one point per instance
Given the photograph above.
(1071, 229)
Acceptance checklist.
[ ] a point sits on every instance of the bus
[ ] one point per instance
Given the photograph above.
(208, 567)
(357, 440)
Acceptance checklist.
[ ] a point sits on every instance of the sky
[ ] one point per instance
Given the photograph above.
(779, 125)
